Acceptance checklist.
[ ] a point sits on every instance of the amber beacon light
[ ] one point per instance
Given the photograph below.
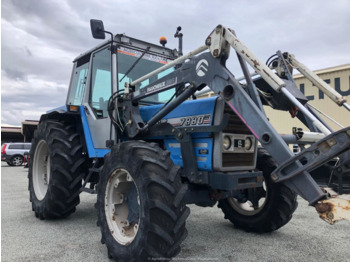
(163, 40)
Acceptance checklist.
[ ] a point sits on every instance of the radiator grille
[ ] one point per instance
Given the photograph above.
(229, 160)
(236, 126)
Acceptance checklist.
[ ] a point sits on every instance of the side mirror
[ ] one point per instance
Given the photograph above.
(97, 29)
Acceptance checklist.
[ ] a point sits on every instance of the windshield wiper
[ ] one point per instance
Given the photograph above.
(135, 63)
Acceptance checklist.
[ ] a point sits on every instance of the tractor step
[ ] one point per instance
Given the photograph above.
(314, 156)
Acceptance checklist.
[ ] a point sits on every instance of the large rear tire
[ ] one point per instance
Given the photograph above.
(141, 208)
(263, 209)
(55, 170)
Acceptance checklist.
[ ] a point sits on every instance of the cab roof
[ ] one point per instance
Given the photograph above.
(124, 40)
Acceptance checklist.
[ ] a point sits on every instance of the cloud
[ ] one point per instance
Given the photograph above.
(41, 38)
(29, 98)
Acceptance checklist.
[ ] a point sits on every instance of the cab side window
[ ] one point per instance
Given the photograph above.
(100, 82)
(78, 83)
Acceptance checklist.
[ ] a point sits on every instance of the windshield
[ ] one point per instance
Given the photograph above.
(149, 62)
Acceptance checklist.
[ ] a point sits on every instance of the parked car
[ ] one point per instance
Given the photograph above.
(13, 153)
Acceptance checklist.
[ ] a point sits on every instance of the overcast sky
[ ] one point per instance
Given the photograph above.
(40, 38)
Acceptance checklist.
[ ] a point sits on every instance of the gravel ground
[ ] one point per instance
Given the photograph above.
(210, 238)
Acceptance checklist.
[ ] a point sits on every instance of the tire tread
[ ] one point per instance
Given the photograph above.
(67, 163)
(166, 209)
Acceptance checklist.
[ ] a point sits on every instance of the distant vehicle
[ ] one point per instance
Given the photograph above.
(13, 153)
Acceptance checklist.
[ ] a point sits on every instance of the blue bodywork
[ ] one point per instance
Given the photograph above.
(57, 109)
(203, 142)
(188, 108)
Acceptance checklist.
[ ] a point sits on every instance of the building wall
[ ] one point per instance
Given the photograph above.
(338, 78)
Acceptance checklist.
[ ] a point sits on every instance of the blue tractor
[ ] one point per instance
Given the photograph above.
(133, 132)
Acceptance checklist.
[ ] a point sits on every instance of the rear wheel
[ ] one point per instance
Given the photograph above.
(16, 160)
(141, 209)
(263, 209)
(55, 169)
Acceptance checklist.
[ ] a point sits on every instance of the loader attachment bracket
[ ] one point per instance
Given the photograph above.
(314, 156)
(334, 209)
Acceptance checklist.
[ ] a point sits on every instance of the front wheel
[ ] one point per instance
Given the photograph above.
(141, 209)
(263, 209)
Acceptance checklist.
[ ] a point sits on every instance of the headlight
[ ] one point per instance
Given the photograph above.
(226, 142)
(248, 143)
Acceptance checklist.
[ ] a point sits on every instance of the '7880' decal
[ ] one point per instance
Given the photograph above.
(190, 120)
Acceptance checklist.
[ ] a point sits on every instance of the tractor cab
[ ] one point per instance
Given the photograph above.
(134, 58)
(103, 71)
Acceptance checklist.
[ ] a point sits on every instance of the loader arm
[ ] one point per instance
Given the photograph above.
(208, 69)
(317, 81)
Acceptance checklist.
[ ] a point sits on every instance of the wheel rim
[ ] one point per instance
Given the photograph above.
(122, 206)
(17, 161)
(41, 170)
(255, 202)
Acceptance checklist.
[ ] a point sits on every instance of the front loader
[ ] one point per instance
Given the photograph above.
(133, 133)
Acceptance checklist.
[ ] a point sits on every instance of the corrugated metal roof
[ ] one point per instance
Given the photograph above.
(30, 122)
(9, 129)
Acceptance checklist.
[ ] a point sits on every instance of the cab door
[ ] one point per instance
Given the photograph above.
(96, 121)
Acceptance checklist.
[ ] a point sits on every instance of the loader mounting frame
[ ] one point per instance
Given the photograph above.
(208, 69)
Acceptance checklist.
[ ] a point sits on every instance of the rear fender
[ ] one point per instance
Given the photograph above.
(71, 117)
